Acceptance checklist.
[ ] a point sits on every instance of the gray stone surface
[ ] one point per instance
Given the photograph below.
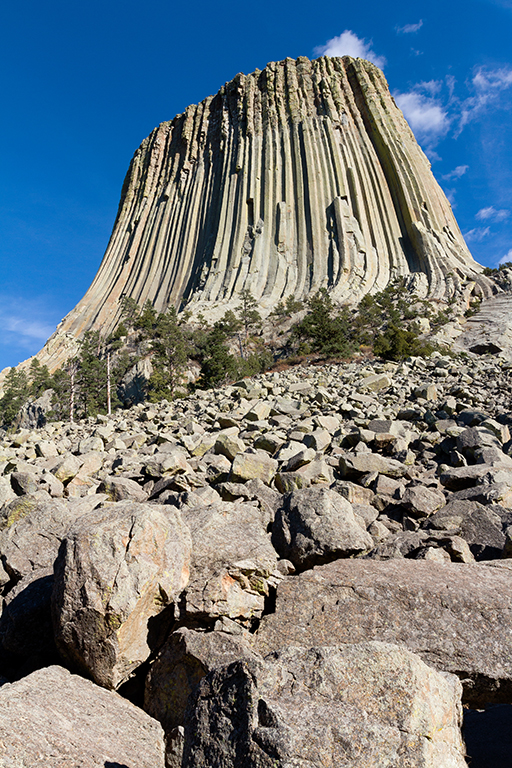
(118, 567)
(53, 718)
(457, 617)
(185, 659)
(315, 526)
(233, 561)
(371, 704)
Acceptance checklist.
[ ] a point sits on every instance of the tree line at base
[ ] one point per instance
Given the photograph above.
(233, 347)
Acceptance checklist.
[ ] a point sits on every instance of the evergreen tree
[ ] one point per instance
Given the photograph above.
(325, 330)
(15, 396)
(218, 364)
(170, 348)
(40, 379)
(249, 315)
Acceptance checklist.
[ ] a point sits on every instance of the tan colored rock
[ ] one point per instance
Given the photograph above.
(375, 382)
(119, 566)
(253, 466)
(361, 463)
(233, 561)
(229, 445)
(67, 468)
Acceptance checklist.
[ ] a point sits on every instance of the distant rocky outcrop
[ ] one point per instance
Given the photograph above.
(302, 176)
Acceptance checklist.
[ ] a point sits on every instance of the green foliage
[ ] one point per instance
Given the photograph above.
(39, 377)
(250, 318)
(397, 343)
(323, 330)
(287, 308)
(218, 365)
(129, 311)
(170, 348)
(146, 320)
(15, 395)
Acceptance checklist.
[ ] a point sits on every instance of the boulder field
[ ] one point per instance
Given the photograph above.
(308, 568)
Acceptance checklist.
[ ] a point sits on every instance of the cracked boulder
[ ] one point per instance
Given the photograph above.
(456, 616)
(315, 526)
(234, 564)
(117, 568)
(181, 664)
(370, 704)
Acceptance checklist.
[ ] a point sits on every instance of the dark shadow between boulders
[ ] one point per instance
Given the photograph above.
(488, 736)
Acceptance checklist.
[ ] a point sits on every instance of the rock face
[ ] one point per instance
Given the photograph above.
(362, 705)
(455, 616)
(301, 176)
(54, 718)
(385, 517)
(118, 567)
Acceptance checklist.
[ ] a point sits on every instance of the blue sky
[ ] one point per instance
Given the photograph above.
(83, 83)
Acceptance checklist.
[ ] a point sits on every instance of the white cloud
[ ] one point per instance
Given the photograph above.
(427, 117)
(477, 235)
(408, 28)
(457, 172)
(488, 86)
(349, 44)
(492, 214)
(507, 257)
(23, 322)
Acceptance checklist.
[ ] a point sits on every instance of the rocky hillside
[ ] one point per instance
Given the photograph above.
(308, 568)
(299, 177)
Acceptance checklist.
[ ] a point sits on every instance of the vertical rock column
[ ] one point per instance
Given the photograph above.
(301, 176)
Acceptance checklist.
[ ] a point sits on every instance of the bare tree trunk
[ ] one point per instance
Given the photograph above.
(241, 346)
(72, 372)
(109, 409)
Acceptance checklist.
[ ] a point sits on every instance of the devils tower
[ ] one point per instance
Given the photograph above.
(302, 176)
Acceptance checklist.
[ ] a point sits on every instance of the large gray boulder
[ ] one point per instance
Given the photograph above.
(31, 541)
(456, 616)
(481, 526)
(184, 660)
(315, 526)
(370, 704)
(233, 561)
(117, 568)
(53, 718)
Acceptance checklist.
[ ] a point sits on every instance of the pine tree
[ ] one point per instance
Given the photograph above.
(170, 347)
(15, 396)
(248, 313)
(40, 379)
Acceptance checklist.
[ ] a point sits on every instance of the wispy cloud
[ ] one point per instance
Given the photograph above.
(488, 86)
(507, 257)
(425, 114)
(492, 214)
(434, 109)
(477, 235)
(349, 44)
(457, 172)
(407, 29)
(24, 323)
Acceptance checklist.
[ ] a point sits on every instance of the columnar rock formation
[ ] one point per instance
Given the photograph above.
(301, 176)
